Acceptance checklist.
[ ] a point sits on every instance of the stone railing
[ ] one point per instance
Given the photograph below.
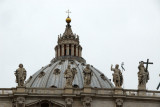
(96, 91)
(5, 91)
(141, 93)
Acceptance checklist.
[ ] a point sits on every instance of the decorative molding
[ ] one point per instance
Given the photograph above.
(87, 102)
(119, 103)
(69, 102)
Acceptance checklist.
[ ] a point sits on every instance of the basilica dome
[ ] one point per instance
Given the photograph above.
(68, 51)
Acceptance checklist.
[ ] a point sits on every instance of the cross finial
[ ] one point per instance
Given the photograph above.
(68, 12)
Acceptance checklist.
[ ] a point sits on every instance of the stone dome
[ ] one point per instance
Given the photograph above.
(52, 75)
(68, 51)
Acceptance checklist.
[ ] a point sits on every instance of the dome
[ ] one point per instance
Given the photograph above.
(68, 51)
(52, 75)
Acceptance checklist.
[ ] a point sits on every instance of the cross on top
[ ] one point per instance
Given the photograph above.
(68, 12)
(147, 63)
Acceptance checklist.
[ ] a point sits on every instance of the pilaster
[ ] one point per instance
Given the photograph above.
(67, 49)
(63, 50)
(72, 50)
(76, 50)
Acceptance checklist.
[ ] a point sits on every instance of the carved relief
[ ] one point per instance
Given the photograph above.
(87, 101)
(69, 102)
(103, 77)
(18, 102)
(57, 71)
(119, 103)
(41, 74)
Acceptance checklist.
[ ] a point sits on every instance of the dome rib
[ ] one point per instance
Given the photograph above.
(98, 80)
(51, 72)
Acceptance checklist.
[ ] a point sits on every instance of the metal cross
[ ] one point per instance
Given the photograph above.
(68, 12)
(147, 63)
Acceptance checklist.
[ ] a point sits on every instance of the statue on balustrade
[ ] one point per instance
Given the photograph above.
(69, 74)
(117, 76)
(143, 75)
(20, 74)
(87, 75)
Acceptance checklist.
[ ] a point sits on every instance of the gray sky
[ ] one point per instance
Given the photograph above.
(111, 32)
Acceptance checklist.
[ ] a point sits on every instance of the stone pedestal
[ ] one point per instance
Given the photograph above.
(141, 87)
(118, 90)
(21, 89)
(68, 90)
(142, 92)
(87, 89)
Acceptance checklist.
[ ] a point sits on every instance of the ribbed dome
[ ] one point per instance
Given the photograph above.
(68, 52)
(52, 75)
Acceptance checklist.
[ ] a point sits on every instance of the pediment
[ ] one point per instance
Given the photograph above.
(38, 103)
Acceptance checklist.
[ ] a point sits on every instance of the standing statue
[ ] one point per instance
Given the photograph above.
(20, 74)
(143, 75)
(117, 76)
(69, 74)
(87, 75)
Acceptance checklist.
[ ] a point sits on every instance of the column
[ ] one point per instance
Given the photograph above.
(76, 50)
(58, 50)
(67, 49)
(72, 50)
(63, 50)
(80, 50)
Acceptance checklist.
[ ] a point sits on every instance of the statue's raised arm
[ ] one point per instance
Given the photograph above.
(117, 76)
(112, 69)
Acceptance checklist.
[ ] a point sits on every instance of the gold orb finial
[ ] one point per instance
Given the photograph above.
(68, 19)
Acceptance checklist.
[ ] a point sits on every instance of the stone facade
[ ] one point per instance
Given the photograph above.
(51, 97)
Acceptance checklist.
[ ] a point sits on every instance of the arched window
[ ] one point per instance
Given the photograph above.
(44, 105)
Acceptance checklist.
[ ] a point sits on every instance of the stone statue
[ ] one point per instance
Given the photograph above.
(69, 75)
(20, 74)
(87, 75)
(143, 75)
(117, 76)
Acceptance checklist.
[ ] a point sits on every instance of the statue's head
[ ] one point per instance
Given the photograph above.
(117, 66)
(69, 66)
(141, 64)
(21, 65)
(88, 66)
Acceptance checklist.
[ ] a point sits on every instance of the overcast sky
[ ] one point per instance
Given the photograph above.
(111, 32)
